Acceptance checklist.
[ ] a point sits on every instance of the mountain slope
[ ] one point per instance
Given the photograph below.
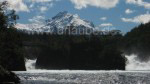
(61, 21)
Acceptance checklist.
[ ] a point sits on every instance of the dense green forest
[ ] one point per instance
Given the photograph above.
(105, 51)
(74, 51)
(88, 51)
(11, 57)
(138, 41)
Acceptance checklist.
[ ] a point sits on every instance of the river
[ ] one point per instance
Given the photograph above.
(84, 77)
(136, 73)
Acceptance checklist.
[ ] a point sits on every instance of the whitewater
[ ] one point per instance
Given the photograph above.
(136, 73)
(134, 63)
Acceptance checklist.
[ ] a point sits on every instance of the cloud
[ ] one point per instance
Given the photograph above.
(31, 6)
(144, 18)
(28, 5)
(106, 25)
(22, 26)
(103, 18)
(139, 3)
(106, 4)
(41, 5)
(39, 1)
(17, 5)
(35, 23)
(128, 11)
(37, 19)
(43, 9)
(29, 27)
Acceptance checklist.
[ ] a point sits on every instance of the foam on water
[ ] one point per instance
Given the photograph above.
(134, 63)
(30, 64)
(84, 77)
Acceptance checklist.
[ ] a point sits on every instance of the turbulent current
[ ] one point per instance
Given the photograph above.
(136, 73)
(30, 64)
(133, 63)
(84, 77)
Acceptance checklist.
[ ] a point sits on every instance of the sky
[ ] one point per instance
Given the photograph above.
(117, 14)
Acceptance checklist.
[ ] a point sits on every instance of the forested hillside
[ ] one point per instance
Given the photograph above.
(93, 52)
(137, 41)
(11, 57)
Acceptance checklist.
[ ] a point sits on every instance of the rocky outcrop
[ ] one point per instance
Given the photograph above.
(7, 77)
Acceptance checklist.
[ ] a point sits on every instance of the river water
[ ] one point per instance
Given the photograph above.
(136, 73)
(84, 77)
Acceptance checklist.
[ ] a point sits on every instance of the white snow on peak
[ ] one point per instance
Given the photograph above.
(61, 20)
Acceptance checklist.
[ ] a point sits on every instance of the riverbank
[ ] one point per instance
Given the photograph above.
(7, 77)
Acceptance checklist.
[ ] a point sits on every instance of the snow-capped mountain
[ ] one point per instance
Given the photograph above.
(61, 21)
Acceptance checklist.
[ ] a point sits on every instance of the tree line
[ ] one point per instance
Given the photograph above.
(11, 57)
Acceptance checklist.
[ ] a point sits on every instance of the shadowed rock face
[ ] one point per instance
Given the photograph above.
(7, 77)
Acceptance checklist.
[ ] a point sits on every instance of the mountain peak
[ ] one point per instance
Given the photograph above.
(60, 14)
(63, 20)
(63, 13)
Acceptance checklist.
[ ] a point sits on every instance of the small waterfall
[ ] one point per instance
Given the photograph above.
(30, 64)
(134, 63)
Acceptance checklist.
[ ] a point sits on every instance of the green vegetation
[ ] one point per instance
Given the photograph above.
(74, 51)
(138, 41)
(87, 52)
(11, 57)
